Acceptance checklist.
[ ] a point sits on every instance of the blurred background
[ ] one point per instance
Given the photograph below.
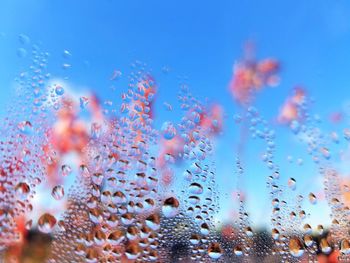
(199, 42)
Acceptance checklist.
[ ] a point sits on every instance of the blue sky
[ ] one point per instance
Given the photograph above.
(199, 39)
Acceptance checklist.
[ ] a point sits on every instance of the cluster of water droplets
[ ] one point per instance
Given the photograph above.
(125, 202)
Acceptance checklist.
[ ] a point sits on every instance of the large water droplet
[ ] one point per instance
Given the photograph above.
(46, 223)
(58, 192)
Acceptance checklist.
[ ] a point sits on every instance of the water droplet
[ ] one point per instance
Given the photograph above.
(296, 248)
(25, 127)
(238, 251)
(59, 90)
(66, 170)
(345, 246)
(83, 102)
(58, 192)
(195, 188)
(22, 189)
(46, 223)
(325, 247)
(312, 198)
(215, 251)
(170, 207)
(168, 130)
(66, 54)
(292, 183)
(23, 39)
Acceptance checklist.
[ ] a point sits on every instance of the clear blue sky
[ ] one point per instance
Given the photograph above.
(199, 39)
